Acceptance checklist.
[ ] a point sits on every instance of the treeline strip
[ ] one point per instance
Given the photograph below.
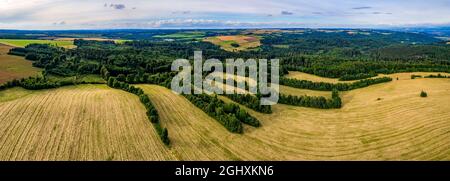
(39, 83)
(437, 76)
(311, 101)
(324, 86)
(152, 113)
(250, 101)
(349, 77)
(230, 115)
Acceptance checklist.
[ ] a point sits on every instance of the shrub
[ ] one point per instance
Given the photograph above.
(423, 94)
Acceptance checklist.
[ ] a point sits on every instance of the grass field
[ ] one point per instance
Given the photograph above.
(14, 67)
(24, 42)
(244, 42)
(382, 122)
(183, 35)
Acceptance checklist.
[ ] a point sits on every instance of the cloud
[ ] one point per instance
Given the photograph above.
(60, 23)
(181, 12)
(362, 7)
(286, 13)
(317, 13)
(117, 6)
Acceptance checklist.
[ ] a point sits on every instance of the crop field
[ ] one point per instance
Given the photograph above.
(399, 126)
(14, 67)
(76, 123)
(314, 78)
(25, 42)
(235, 43)
(382, 122)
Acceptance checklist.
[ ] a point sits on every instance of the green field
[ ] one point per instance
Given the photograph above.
(25, 42)
(183, 35)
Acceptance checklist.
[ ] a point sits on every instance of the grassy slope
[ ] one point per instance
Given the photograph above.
(14, 67)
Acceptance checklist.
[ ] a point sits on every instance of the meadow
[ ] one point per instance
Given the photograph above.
(25, 42)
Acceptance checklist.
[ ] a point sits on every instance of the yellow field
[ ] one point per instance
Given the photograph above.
(311, 77)
(244, 42)
(76, 123)
(400, 126)
(14, 67)
(382, 122)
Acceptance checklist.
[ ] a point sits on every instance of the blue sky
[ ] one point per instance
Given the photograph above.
(101, 14)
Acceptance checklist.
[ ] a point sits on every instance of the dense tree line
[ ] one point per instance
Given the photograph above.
(231, 116)
(324, 86)
(312, 101)
(437, 76)
(359, 76)
(39, 82)
(152, 113)
(250, 101)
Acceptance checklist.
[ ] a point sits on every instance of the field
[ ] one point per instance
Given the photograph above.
(25, 42)
(98, 123)
(183, 35)
(76, 123)
(315, 78)
(235, 43)
(90, 39)
(14, 67)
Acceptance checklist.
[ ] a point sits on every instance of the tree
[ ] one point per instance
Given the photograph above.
(423, 94)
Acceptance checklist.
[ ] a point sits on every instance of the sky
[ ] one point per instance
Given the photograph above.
(166, 14)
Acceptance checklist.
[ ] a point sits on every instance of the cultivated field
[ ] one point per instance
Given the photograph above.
(76, 123)
(382, 122)
(25, 42)
(14, 67)
(240, 42)
(314, 78)
(399, 126)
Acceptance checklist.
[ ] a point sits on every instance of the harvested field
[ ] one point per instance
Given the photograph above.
(400, 126)
(76, 123)
(382, 122)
